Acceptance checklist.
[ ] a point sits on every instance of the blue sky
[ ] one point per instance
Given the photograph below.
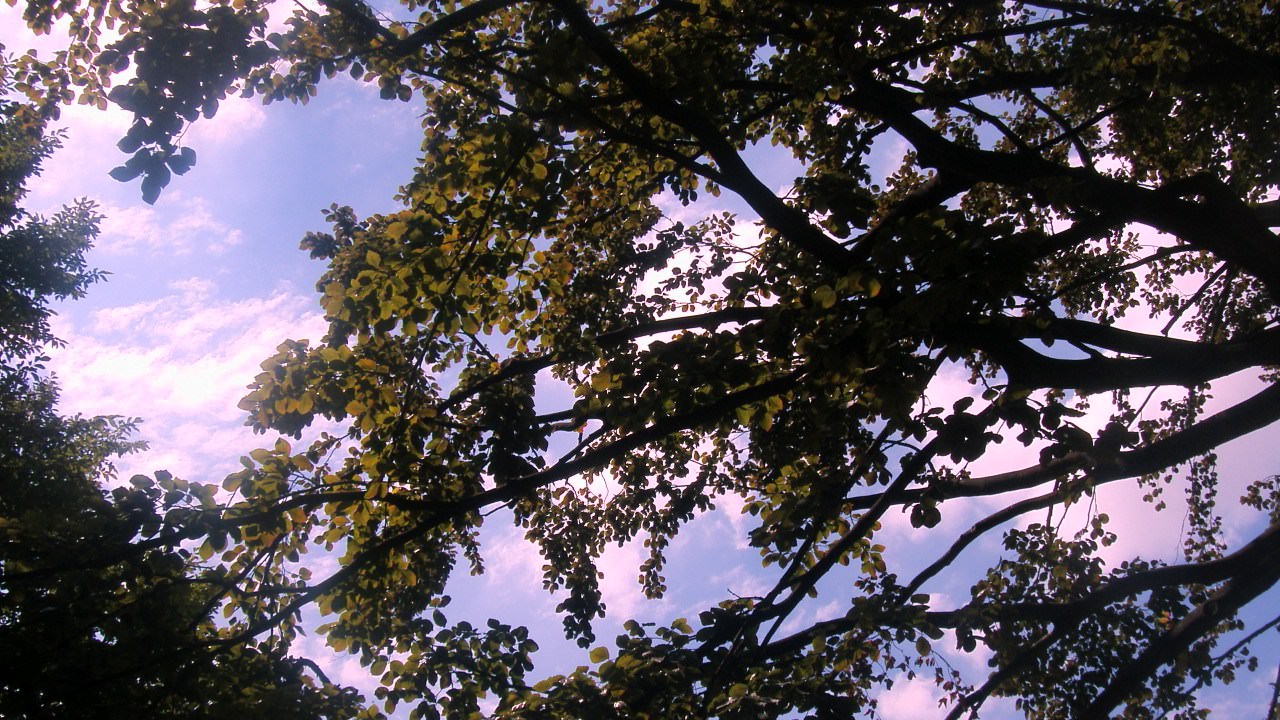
(208, 281)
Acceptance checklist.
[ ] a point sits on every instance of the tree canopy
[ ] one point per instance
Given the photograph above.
(1070, 204)
(98, 617)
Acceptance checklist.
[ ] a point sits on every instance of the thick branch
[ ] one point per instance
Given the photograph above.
(979, 529)
(1253, 580)
(1241, 563)
(1168, 362)
(1221, 223)
(1236, 421)
(1268, 213)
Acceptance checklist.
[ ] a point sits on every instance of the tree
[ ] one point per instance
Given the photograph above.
(97, 618)
(1080, 213)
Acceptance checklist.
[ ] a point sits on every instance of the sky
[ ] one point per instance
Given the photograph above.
(207, 282)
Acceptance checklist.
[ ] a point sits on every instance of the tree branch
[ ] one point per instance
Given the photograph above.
(1236, 421)
(1221, 223)
(734, 172)
(1168, 362)
(1254, 579)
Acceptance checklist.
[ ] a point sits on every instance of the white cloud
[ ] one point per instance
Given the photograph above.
(741, 582)
(182, 225)
(79, 168)
(181, 362)
(730, 510)
(513, 579)
(972, 665)
(277, 21)
(619, 589)
(235, 120)
(194, 285)
(910, 699)
(123, 317)
(513, 572)
(88, 118)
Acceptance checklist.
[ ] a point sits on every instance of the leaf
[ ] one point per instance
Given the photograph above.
(546, 684)
(153, 183)
(182, 161)
(124, 173)
(825, 297)
(598, 654)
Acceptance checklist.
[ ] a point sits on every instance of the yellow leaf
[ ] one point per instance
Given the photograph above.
(547, 683)
(599, 655)
(825, 297)
(850, 283)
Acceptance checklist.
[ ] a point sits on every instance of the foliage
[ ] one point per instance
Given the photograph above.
(39, 259)
(97, 617)
(1070, 203)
